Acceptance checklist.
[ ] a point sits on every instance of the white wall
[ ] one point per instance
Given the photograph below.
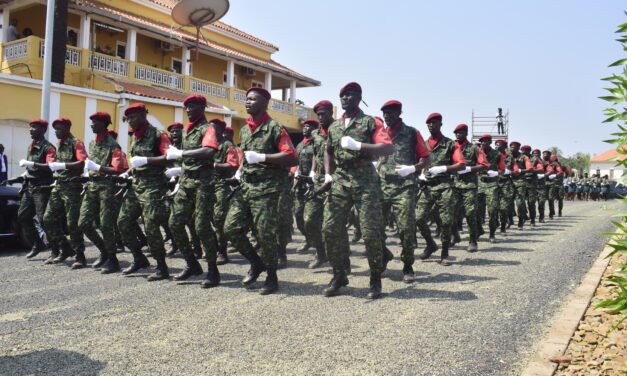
(608, 168)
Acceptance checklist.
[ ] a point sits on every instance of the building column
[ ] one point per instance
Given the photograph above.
(4, 22)
(85, 39)
(268, 83)
(284, 95)
(230, 73)
(91, 106)
(122, 126)
(187, 64)
(55, 108)
(131, 45)
(292, 92)
(178, 114)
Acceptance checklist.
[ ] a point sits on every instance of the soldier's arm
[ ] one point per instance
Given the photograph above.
(164, 144)
(482, 163)
(458, 162)
(287, 156)
(381, 145)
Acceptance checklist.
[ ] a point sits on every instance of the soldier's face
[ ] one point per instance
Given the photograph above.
(546, 156)
(325, 117)
(486, 143)
(136, 119)
(514, 148)
(391, 116)
(176, 135)
(98, 126)
(536, 154)
(256, 104)
(461, 135)
(350, 100)
(434, 126)
(307, 129)
(36, 131)
(195, 111)
(61, 130)
(501, 147)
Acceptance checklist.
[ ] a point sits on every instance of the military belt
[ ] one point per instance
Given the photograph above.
(198, 174)
(253, 179)
(354, 164)
(488, 179)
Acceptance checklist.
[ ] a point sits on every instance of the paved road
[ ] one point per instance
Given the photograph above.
(481, 316)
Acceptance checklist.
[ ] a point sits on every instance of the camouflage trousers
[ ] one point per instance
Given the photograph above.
(506, 198)
(99, 202)
(127, 214)
(194, 204)
(299, 210)
(439, 199)
(313, 215)
(365, 195)
(543, 195)
(492, 194)
(31, 212)
(520, 190)
(256, 211)
(220, 210)
(465, 200)
(532, 198)
(286, 220)
(556, 193)
(64, 198)
(400, 201)
(481, 207)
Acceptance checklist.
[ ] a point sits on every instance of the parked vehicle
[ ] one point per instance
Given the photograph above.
(11, 234)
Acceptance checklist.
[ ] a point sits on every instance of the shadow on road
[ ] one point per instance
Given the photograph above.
(487, 262)
(413, 292)
(50, 362)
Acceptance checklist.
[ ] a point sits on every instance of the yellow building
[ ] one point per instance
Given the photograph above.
(125, 51)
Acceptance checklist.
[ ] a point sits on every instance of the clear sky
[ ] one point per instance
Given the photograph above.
(540, 59)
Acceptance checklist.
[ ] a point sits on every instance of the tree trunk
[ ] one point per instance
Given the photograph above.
(59, 41)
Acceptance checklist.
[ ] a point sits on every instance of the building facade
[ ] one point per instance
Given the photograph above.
(607, 164)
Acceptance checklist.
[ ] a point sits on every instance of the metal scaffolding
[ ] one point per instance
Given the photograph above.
(496, 126)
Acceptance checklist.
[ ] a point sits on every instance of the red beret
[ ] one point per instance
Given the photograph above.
(264, 93)
(114, 134)
(536, 150)
(547, 151)
(392, 104)
(433, 116)
(525, 147)
(219, 122)
(135, 108)
(514, 143)
(195, 98)
(176, 125)
(101, 116)
(354, 86)
(40, 122)
(229, 130)
(553, 158)
(461, 127)
(65, 121)
(486, 137)
(323, 104)
(313, 122)
(500, 141)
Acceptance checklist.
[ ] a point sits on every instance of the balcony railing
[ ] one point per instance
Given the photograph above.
(15, 50)
(158, 76)
(208, 88)
(72, 54)
(239, 96)
(108, 64)
(281, 106)
(303, 112)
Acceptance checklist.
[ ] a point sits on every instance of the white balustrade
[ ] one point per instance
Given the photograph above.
(281, 106)
(158, 77)
(15, 50)
(108, 64)
(207, 88)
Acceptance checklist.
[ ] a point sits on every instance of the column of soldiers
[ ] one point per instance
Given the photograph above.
(206, 191)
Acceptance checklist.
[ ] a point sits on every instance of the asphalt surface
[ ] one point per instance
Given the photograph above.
(482, 316)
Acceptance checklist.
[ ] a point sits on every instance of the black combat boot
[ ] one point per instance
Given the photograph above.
(444, 256)
(192, 267)
(256, 268)
(80, 262)
(271, 284)
(375, 286)
(347, 266)
(38, 246)
(223, 257)
(101, 260)
(66, 252)
(161, 272)
(198, 252)
(282, 261)
(172, 250)
(54, 253)
(321, 259)
(111, 265)
(429, 249)
(472, 245)
(304, 248)
(492, 238)
(387, 257)
(213, 276)
(455, 238)
(408, 273)
(338, 281)
(139, 262)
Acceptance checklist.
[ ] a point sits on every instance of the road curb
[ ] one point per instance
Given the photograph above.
(566, 322)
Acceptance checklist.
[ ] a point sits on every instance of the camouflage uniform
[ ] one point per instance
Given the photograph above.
(465, 190)
(520, 189)
(506, 186)
(223, 192)
(491, 189)
(531, 183)
(149, 185)
(305, 152)
(195, 199)
(556, 188)
(355, 182)
(99, 200)
(286, 219)
(35, 199)
(66, 198)
(542, 192)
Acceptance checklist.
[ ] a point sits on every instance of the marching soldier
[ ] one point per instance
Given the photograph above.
(269, 154)
(106, 159)
(302, 180)
(556, 175)
(196, 195)
(35, 198)
(523, 166)
(466, 182)
(506, 184)
(398, 180)
(531, 182)
(490, 182)
(148, 164)
(354, 142)
(438, 193)
(66, 195)
(538, 160)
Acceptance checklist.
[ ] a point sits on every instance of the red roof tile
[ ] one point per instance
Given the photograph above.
(610, 155)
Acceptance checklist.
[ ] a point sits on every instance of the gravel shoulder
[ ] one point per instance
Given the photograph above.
(482, 316)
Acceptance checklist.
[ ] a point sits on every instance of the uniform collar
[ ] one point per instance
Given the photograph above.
(190, 125)
(100, 138)
(139, 133)
(254, 124)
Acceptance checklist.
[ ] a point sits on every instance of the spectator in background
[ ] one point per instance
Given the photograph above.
(72, 38)
(12, 33)
(27, 32)
(4, 165)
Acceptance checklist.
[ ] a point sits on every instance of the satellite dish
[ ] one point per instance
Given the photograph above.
(199, 13)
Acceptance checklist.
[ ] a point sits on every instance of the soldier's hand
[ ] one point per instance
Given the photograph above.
(492, 173)
(174, 171)
(405, 170)
(507, 171)
(26, 164)
(540, 176)
(347, 142)
(173, 153)
(464, 171)
(552, 176)
(437, 170)
(56, 166)
(253, 157)
(91, 165)
(138, 161)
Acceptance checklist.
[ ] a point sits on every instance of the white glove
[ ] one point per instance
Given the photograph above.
(172, 179)
(56, 166)
(139, 161)
(312, 174)
(174, 171)
(123, 175)
(492, 173)
(507, 172)
(540, 176)
(464, 171)
(26, 164)
(347, 142)
(173, 153)
(404, 170)
(328, 178)
(253, 157)
(437, 170)
(91, 165)
(375, 164)
(238, 174)
(422, 177)
(552, 176)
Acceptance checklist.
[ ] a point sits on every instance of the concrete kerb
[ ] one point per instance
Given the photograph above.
(566, 322)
